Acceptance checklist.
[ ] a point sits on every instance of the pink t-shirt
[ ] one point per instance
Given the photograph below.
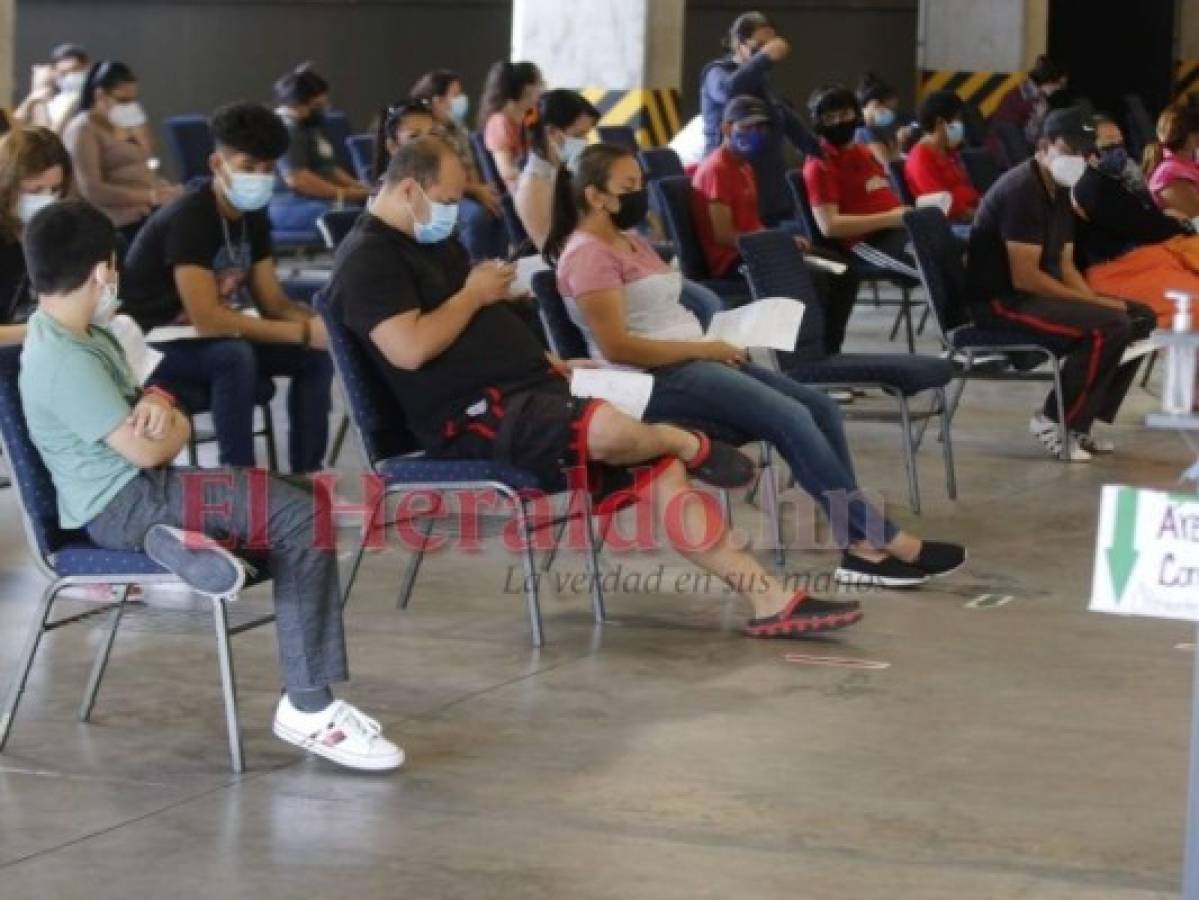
(501, 133)
(589, 264)
(1172, 168)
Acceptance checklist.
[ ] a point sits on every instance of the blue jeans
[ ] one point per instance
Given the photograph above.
(803, 423)
(230, 368)
(702, 302)
(483, 234)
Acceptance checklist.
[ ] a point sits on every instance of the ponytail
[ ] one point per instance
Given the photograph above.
(564, 217)
(380, 158)
(505, 81)
(1151, 158)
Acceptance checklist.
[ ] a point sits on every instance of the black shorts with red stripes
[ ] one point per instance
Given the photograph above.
(544, 432)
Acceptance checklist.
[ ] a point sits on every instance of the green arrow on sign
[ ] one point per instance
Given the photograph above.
(1122, 554)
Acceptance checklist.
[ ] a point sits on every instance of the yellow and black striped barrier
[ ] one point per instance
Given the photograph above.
(1186, 77)
(653, 113)
(984, 89)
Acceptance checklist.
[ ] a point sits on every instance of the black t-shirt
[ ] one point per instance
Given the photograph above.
(1020, 208)
(379, 273)
(191, 232)
(1117, 220)
(16, 296)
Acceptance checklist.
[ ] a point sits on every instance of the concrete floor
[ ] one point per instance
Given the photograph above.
(1032, 750)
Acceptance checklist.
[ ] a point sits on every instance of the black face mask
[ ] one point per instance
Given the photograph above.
(633, 208)
(838, 135)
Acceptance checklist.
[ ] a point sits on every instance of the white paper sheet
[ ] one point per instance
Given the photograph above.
(143, 359)
(1138, 349)
(627, 391)
(165, 333)
(820, 264)
(943, 200)
(526, 268)
(771, 322)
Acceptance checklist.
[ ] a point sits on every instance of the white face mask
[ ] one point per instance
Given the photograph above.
(571, 148)
(127, 115)
(72, 82)
(106, 306)
(1066, 170)
(29, 205)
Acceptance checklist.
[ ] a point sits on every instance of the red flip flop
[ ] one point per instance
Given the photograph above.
(805, 615)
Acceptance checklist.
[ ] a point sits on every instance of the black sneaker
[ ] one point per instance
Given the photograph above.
(720, 465)
(206, 567)
(940, 558)
(888, 572)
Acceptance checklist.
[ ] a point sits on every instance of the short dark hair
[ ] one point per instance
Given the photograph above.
(944, 105)
(68, 51)
(250, 128)
(64, 242)
(831, 98)
(1044, 71)
(435, 84)
(300, 85)
(871, 87)
(560, 108)
(419, 159)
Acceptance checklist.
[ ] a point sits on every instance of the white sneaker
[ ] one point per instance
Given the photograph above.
(1094, 445)
(339, 733)
(1047, 432)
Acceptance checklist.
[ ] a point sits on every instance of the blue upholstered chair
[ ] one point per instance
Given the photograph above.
(361, 150)
(191, 144)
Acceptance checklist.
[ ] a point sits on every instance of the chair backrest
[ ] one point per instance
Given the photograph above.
(672, 196)
(336, 224)
(565, 338)
(361, 150)
(377, 416)
(620, 135)
(660, 162)
(807, 219)
(774, 266)
(486, 162)
(975, 125)
(899, 181)
(337, 129)
(31, 478)
(939, 257)
(1139, 123)
(980, 167)
(1015, 145)
(191, 143)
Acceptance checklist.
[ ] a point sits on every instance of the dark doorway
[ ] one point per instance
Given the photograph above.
(1112, 48)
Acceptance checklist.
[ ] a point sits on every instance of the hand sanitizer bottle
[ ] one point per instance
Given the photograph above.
(1178, 393)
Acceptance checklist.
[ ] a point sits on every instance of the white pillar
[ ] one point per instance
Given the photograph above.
(626, 56)
(8, 54)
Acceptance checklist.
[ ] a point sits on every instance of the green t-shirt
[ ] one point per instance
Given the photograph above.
(76, 391)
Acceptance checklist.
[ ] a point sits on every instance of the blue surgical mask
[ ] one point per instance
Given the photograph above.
(955, 133)
(748, 144)
(884, 117)
(1112, 160)
(442, 219)
(249, 191)
(458, 107)
(571, 148)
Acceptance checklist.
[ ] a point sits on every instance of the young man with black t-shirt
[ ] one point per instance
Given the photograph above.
(206, 259)
(473, 380)
(1022, 277)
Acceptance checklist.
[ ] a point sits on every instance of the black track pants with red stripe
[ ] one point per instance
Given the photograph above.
(1093, 381)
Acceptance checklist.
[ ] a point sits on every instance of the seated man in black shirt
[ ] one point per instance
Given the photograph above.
(206, 259)
(475, 382)
(1021, 276)
(1122, 233)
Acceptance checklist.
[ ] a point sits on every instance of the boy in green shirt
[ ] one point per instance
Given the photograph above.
(108, 447)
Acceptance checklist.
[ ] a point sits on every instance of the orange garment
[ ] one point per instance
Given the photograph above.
(1146, 273)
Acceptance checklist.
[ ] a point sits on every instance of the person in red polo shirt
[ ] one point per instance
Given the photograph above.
(934, 164)
(851, 197)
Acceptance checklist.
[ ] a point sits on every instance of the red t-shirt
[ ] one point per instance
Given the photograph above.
(723, 178)
(929, 171)
(851, 179)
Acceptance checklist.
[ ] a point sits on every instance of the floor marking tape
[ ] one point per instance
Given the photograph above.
(989, 601)
(836, 662)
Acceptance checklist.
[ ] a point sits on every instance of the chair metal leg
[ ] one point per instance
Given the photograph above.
(228, 684)
(770, 508)
(593, 567)
(553, 551)
(532, 594)
(101, 662)
(1062, 426)
(268, 433)
(924, 318)
(36, 630)
(951, 476)
(909, 456)
(357, 563)
(193, 449)
(413, 567)
(1149, 369)
(338, 439)
(907, 319)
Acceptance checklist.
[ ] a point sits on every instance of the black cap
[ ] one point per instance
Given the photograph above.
(746, 110)
(1072, 125)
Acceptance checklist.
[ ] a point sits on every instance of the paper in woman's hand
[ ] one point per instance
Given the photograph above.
(772, 322)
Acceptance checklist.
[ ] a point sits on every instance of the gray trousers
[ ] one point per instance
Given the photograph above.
(312, 653)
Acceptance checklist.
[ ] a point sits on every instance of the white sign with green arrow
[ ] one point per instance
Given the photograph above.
(1147, 558)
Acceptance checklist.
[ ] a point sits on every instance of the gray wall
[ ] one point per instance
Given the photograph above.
(192, 56)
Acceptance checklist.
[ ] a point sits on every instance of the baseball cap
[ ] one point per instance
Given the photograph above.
(1072, 125)
(746, 110)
